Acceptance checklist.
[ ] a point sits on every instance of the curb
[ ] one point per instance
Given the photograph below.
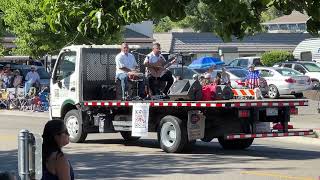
(24, 113)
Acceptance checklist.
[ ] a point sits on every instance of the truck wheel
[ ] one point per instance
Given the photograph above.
(74, 124)
(172, 134)
(235, 143)
(126, 135)
(273, 92)
(298, 95)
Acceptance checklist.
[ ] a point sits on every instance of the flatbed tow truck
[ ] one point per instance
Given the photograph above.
(82, 70)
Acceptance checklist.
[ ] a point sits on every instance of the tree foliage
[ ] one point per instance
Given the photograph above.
(35, 37)
(46, 25)
(273, 57)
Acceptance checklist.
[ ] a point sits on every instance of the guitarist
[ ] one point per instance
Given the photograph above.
(156, 70)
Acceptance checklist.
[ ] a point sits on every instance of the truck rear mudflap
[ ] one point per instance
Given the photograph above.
(292, 132)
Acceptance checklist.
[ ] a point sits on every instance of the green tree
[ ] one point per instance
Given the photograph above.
(273, 57)
(34, 35)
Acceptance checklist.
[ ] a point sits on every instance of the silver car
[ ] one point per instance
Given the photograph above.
(285, 81)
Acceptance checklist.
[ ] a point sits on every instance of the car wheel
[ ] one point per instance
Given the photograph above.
(273, 92)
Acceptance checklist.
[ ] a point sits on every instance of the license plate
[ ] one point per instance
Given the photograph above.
(301, 82)
(272, 111)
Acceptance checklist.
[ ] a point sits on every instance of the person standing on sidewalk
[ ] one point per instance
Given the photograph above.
(55, 164)
(253, 78)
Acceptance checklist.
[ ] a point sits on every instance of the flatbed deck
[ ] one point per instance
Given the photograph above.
(218, 103)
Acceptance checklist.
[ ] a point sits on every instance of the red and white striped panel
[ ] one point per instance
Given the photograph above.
(243, 92)
(266, 135)
(200, 104)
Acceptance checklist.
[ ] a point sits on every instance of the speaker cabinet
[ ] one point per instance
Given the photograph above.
(186, 90)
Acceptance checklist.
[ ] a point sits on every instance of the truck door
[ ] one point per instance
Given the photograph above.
(64, 85)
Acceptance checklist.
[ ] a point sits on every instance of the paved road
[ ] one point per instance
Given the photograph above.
(105, 156)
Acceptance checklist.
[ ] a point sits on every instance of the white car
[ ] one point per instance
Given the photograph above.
(307, 68)
(285, 81)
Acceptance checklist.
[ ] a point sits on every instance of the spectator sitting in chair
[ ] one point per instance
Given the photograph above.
(126, 69)
(32, 79)
(17, 79)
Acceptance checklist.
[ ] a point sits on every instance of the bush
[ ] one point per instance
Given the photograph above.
(273, 57)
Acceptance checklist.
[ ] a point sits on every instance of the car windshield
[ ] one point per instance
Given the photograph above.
(187, 73)
(312, 67)
(288, 72)
(238, 72)
(41, 71)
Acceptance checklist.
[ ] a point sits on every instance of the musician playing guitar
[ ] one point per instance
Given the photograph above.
(127, 69)
(156, 70)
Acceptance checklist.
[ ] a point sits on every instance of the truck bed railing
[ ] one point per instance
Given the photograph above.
(230, 103)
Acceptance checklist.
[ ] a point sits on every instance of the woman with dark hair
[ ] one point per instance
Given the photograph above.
(55, 165)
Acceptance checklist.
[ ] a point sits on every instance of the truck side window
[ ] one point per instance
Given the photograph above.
(243, 62)
(234, 63)
(66, 65)
(299, 68)
(287, 65)
(257, 62)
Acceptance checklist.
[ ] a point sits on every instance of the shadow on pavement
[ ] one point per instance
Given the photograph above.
(93, 161)
(205, 158)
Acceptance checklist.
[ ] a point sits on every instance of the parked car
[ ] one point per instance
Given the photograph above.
(285, 81)
(245, 62)
(44, 75)
(182, 73)
(238, 76)
(308, 68)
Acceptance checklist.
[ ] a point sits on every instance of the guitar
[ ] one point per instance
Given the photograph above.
(158, 71)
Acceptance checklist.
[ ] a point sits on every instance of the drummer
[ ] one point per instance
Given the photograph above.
(126, 69)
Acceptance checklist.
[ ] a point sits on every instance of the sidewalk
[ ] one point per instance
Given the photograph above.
(24, 113)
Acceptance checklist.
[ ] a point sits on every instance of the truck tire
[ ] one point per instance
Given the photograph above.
(235, 143)
(172, 134)
(126, 135)
(74, 124)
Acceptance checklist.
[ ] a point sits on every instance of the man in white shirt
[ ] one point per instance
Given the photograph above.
(126, 65)
(156, 70)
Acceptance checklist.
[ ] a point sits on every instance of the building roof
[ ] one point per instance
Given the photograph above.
(294, 18)
(133, 36)
(208, 42)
